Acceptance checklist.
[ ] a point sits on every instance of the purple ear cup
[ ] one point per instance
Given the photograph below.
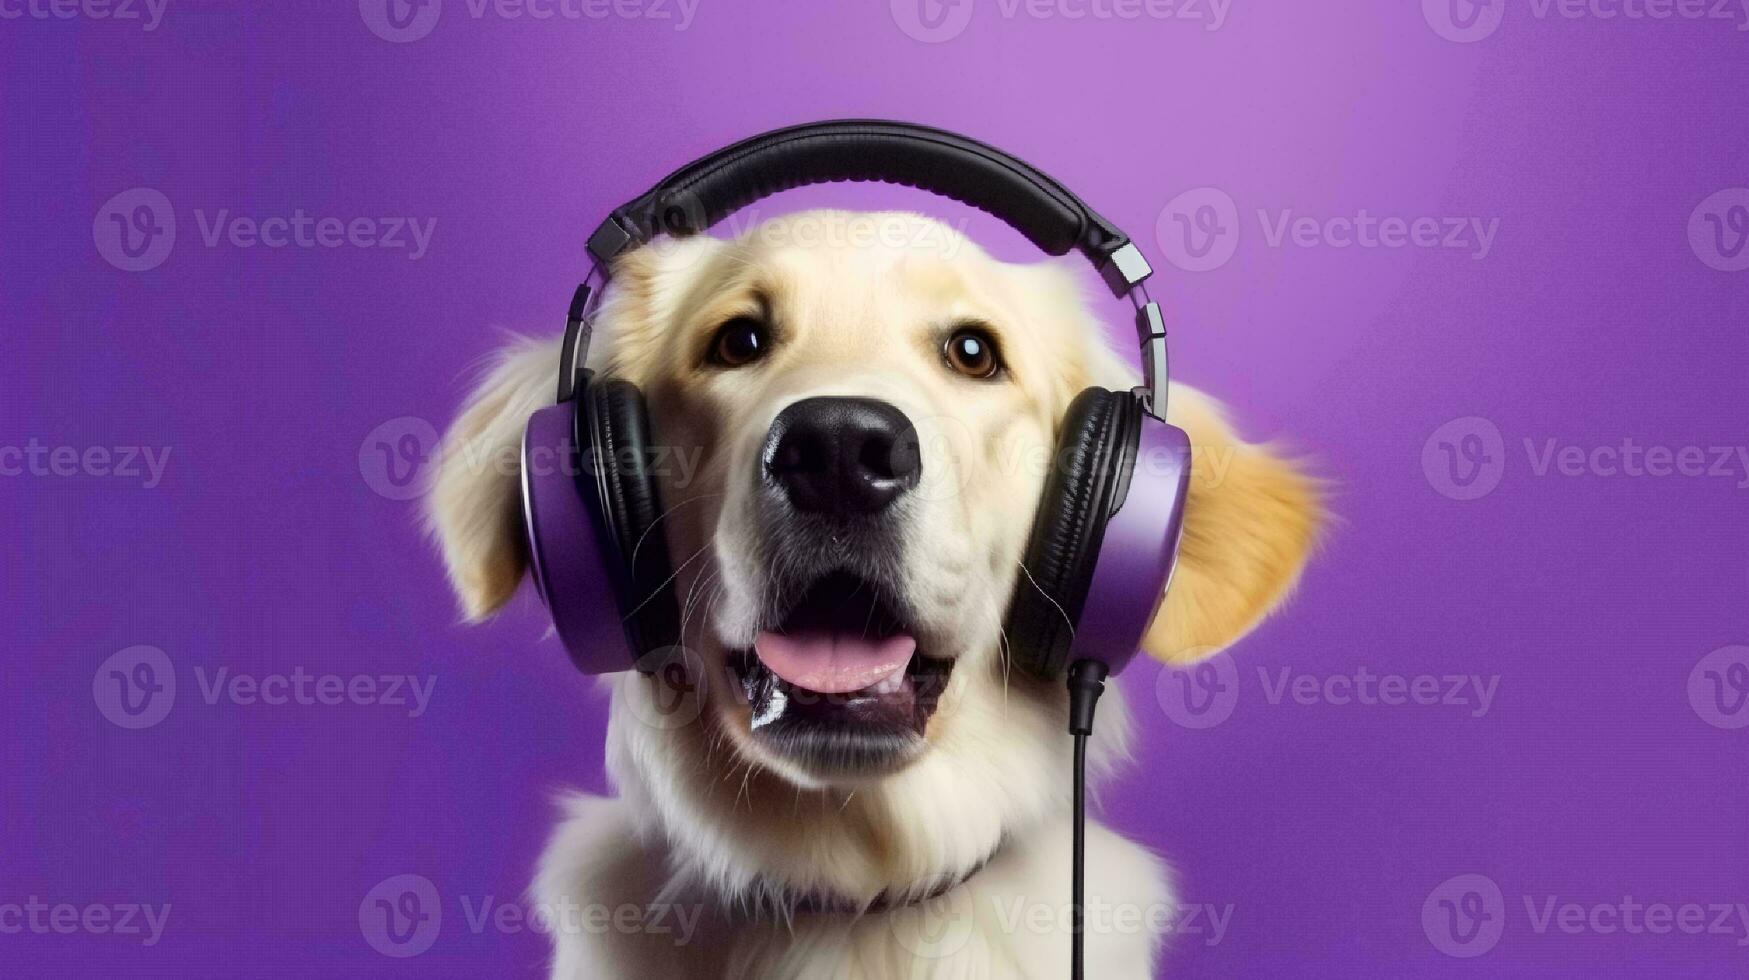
(571, 568)
(1103, 538)
(1140, 550)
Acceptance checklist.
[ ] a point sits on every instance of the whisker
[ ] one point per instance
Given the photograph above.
(640, 542)
(671, 577)
(1066, 620)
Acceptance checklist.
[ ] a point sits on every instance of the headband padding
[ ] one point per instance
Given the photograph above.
(711, 188)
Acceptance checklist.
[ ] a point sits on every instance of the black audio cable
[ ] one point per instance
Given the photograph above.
(1086, 684)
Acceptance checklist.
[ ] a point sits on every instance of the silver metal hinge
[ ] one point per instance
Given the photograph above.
(1125, 269)
(1156, 372)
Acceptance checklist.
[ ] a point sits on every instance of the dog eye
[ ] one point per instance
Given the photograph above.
(738, 342)
(971, 352)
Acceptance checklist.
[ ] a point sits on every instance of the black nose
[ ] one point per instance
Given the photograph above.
(842, 456)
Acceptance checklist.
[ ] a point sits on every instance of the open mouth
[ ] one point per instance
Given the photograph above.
(839, 683)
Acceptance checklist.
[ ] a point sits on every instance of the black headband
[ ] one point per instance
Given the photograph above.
(711, 188)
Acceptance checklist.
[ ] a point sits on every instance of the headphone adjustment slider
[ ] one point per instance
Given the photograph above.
(1156, 373)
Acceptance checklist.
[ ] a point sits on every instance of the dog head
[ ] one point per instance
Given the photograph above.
(858, 413)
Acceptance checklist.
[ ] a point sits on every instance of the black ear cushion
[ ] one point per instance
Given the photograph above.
(1089, 474)
(617, 425)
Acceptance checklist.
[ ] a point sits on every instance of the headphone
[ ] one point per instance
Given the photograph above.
(1105, 537)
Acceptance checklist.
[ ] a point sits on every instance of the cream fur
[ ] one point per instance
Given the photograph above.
(706, 818)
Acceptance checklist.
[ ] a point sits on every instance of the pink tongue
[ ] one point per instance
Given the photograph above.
(831, 662)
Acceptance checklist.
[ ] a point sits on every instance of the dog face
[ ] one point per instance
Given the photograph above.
(870, 426)
(858, 413)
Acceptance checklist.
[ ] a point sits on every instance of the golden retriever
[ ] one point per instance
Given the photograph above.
(930, 838)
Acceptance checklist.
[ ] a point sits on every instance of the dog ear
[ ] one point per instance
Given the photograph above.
(474, 504)
(1251, 520)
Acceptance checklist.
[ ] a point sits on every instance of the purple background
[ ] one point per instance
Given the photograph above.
(1324, 826)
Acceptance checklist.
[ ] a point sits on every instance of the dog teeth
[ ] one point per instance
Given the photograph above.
(892, 684)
